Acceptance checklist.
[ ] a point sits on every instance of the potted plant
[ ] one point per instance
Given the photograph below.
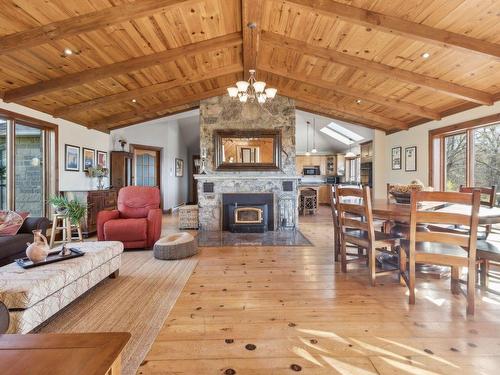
(59, 203)
(76, 211)
(73, 209)
(100, 172)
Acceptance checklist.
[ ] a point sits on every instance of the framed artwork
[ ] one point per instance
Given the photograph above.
(71, 158)
(411, 159)
(88, 160)
(396, 158)
(179, 167)
(102, 159)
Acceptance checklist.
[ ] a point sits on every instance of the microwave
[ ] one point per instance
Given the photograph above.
(311, 171)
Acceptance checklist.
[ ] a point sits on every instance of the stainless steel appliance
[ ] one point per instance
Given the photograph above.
(311, 171)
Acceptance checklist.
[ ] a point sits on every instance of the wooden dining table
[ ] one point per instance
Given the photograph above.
(388, 210)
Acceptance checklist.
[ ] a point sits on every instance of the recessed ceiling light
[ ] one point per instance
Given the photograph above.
(134, 100)
(67, 51)
(358, 101)
(425, 55)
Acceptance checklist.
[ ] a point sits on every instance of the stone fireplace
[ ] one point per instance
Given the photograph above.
(274, 193)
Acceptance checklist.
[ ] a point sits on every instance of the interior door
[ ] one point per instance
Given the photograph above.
(146, 165)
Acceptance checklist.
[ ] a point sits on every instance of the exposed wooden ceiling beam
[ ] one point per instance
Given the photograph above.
(127, 96)
(368, 117)
(170, 112)
(399, 26)
(251, 13)
(356, 94)
(84, 23)
(109, 121)
(445, 87)
(319, 110)
(123, 67)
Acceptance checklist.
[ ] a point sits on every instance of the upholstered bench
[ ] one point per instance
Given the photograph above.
(33, 295)
(188, 217)
(175, 246)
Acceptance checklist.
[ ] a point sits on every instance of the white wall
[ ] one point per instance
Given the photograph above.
(73, 134)
(416, 136)
(163, 133)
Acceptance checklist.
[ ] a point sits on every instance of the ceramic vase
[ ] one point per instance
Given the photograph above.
(39, 249)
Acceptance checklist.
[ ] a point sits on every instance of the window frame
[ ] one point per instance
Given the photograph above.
(50, 139)
(436, 142)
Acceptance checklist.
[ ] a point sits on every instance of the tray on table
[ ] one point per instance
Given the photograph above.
(51, 258)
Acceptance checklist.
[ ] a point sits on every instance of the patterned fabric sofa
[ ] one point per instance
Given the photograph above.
(34, 295)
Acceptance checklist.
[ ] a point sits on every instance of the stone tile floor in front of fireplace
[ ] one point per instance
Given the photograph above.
(270, 238)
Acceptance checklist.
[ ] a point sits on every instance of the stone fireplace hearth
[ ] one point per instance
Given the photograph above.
(280, 187)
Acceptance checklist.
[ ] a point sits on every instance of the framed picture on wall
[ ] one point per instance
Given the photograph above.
(71, 158)
(88, 160)
(411, 159)
(179, 167)
(102, 159)
(396, 158)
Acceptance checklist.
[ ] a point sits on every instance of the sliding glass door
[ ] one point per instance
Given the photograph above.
(455, 154)
(29, 184)
(28, 165)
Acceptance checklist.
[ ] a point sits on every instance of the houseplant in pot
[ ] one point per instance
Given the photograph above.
(59, 202)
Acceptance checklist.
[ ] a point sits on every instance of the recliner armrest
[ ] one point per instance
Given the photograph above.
(154, 226)
(102, 218)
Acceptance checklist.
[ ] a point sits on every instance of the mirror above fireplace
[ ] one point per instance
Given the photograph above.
(247, 150)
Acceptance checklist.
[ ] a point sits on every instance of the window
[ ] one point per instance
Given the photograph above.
(28, 163)
(455, 156)
(353, 169)
(466, 154)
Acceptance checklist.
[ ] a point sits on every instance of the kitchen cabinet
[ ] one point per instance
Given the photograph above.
(322, 192)
(302, 161)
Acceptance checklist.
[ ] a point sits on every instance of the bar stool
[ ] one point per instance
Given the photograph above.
(62, 223)
(308, 201)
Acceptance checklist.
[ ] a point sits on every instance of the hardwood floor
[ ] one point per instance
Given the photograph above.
(282, 310)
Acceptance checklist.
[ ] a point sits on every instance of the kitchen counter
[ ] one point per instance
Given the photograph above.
(323, 191)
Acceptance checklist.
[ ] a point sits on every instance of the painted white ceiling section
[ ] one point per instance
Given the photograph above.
(325, 144)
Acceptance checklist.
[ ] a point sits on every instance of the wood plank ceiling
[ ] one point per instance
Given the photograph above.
(358, 60)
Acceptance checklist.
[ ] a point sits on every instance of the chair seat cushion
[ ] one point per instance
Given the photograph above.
(126, 230)
(489, 250)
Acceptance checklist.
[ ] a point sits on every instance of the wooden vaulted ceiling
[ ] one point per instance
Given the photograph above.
(357, 60)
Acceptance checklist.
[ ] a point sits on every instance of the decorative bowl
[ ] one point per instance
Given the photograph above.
(403, 198)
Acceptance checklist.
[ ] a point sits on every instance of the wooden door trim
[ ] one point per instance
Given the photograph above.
(159, 152)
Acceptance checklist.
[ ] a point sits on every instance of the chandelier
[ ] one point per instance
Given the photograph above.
(252, 90)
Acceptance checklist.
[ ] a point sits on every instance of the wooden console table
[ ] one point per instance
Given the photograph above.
(62, 354)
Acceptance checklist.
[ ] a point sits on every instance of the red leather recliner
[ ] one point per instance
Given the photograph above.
(137, 222)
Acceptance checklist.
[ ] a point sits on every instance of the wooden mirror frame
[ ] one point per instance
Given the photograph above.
(261, 133)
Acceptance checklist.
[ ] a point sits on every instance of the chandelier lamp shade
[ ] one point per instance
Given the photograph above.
(252, 90)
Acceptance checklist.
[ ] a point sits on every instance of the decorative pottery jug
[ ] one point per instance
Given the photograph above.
(39, 249)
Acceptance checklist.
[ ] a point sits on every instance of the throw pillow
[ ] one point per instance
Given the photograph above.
(11, 222)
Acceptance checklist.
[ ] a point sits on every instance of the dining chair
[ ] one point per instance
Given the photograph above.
(491, 196)
(428, 246)
(355, 218)
(483, 232)
(336, 227)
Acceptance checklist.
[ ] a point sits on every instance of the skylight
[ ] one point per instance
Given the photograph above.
(339, 137)
(346, 132)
